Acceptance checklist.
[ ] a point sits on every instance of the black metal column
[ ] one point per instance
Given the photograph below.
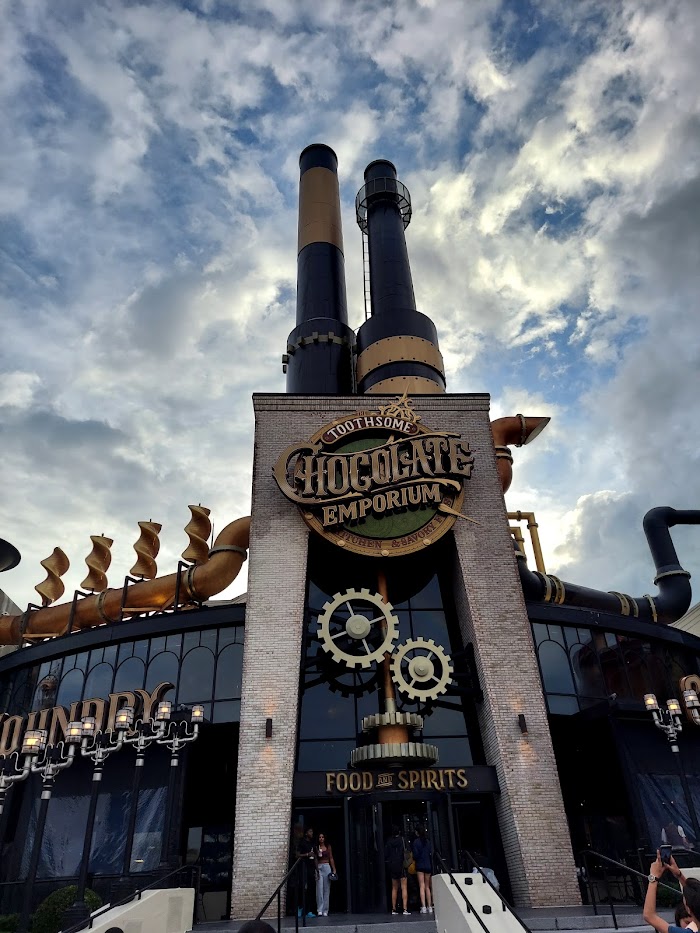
(46, 789)
(79, 910)
(133, 812)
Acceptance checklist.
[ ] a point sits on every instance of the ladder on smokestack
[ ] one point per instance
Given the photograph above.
(365, 272)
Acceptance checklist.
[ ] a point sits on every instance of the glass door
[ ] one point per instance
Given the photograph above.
(366, 851)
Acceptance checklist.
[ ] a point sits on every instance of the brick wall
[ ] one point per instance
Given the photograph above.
(492, 616)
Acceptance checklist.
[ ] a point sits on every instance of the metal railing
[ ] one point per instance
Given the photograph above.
(298, 873)
(587, 880)
(195, 876)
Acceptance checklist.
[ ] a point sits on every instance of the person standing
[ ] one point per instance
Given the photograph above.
(423, 857)
(691, 896)
(325, 866)
(394, 855)
(305, 850)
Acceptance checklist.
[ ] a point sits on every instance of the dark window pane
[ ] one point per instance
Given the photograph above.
(571, 635)
(228, 711)
(326, 715)
(444, 721)
(196, 676)
(126, 649)
(141, 649)
(110, 655)
(429, 597)
(539, 632)
(432, 625)
(81, 660)
(613, 670)
(164, 667)
(174, 643)
(190, 641)
(157, 645)
(587, 672)
(95, 658)
(317, 597)
(71, 688)
(208, 639)
(325, 756)
(556, 634)
(130, 675)
(454, 753)
(99, 682)
(556, 673)
(562, 706)
(229, 672)
(228, 635)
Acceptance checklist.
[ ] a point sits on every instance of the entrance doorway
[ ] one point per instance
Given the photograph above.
(370, 824)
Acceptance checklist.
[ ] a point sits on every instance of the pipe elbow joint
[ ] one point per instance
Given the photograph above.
(516, 430)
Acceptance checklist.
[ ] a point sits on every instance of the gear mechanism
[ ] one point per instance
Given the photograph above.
(421, 669)
(358, 639)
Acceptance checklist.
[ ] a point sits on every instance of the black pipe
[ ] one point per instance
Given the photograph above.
(673, 581)
(318, 360)
(397, 347)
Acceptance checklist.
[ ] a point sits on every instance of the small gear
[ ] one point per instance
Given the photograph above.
(363, 639)
(413, 667)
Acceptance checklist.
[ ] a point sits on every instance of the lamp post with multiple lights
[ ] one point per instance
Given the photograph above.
(177, 737)
(670, 721)
(48, 761)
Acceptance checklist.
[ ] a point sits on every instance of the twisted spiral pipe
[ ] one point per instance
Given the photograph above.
(52, 588)
(98, 560)
(197, 530)
(147, 548)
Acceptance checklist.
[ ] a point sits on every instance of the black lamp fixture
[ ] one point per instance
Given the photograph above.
(268, 727)
(522, 723)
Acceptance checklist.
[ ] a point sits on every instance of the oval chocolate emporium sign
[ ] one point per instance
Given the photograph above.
(378, 483)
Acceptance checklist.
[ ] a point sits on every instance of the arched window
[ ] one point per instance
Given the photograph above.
(99, 682)
(130, 674)
(587, 672)
(556, 672)
(196, 676)
(163, 667)
(229, 672)
(71, 688)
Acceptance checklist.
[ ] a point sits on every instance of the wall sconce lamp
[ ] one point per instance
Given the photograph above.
(522, 723)
(268, 728)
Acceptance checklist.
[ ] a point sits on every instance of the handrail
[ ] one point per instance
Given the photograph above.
(585, 853)
(136, 896)
(632, 871)
(453, 880)
(277, 893)
(504, 902)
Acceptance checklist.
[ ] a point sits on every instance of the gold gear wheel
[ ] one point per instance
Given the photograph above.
(354, 631)
(413, 668)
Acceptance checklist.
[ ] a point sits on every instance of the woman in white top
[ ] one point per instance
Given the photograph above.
(324, 867)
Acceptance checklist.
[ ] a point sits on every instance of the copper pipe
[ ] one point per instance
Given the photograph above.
(196, 583)
(532, 525)
(518, 430)
(388, 734)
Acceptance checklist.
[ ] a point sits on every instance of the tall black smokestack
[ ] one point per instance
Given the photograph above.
(398, 346)
(318, 360)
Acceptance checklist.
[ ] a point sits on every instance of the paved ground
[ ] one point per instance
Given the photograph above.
(570, 919)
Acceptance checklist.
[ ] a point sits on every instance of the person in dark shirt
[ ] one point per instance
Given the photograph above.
(394, 854)
(305, 850)
(423, 857)
(691, 895)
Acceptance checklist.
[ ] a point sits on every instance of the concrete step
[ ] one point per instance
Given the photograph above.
(340, 923)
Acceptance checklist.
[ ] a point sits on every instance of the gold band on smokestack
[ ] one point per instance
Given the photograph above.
(319, 359)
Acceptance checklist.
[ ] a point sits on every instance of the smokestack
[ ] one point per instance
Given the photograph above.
(397, 347)
(318, 360)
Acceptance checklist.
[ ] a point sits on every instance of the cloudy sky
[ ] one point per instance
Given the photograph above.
(148, 198)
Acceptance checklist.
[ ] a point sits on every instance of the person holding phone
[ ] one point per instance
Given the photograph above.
(689, 886)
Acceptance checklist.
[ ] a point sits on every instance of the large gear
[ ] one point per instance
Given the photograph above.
(413, 669)
(354, 632)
